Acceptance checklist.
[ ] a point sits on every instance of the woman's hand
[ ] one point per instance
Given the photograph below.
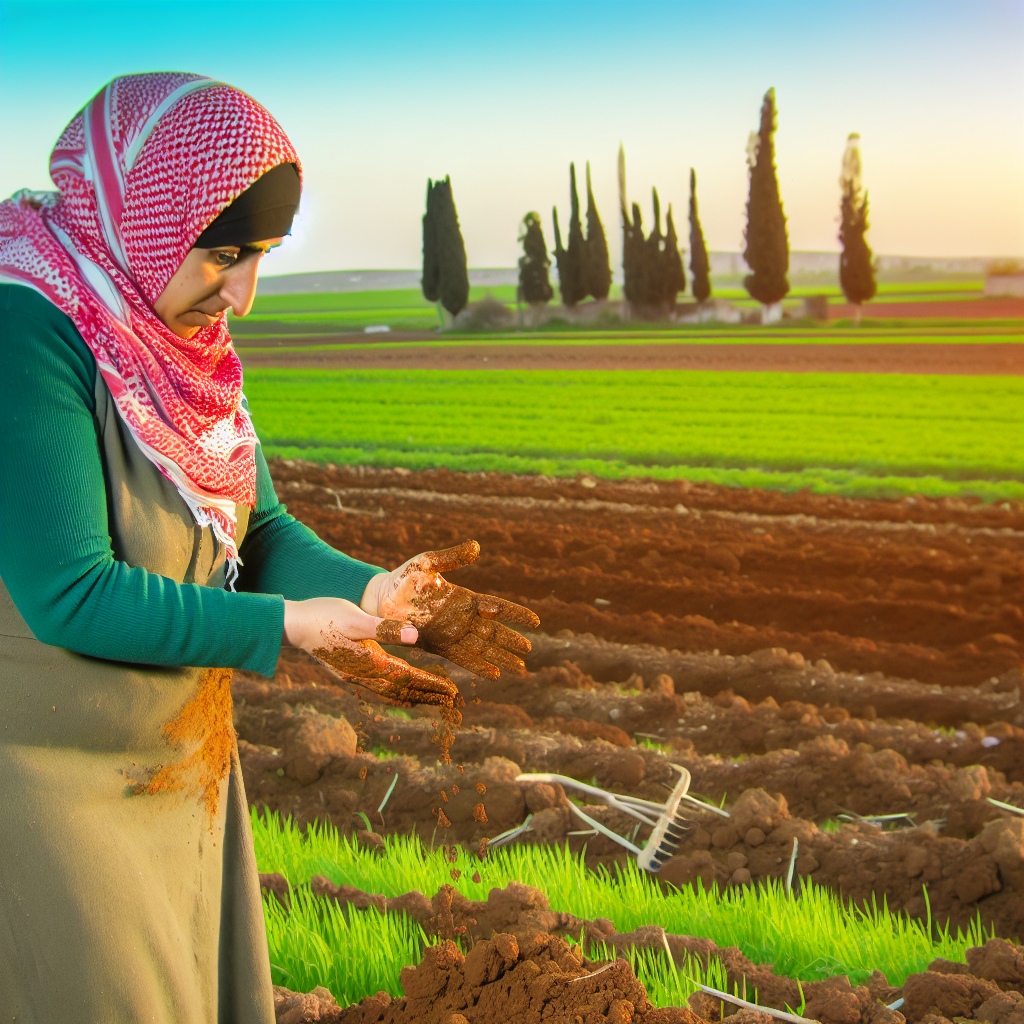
(308, 624)
(393, 680)
(453, 622)
(344, 637)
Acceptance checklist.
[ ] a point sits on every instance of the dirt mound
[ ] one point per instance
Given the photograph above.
(987, 987)
(498, 981)
(783, 676)
(924, 590)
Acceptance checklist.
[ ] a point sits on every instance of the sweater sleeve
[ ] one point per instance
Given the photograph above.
(55, 551)
(282, 556)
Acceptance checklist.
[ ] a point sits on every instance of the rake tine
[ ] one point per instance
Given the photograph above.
(1005, 807)
(387, 795)
(626, 805)
(792, 865)
(604, 830)
(780, 1014)
(707, 807)
(513, 833)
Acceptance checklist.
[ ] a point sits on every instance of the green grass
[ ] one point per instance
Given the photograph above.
(855, 434)
(810, 937)
(406, 309)
(412, 298)
(799, 333)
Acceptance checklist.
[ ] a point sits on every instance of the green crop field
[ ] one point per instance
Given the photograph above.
(810, 936)
(854, 434)
(406, 309)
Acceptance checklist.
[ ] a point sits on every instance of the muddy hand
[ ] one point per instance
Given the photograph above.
(454, 622)
(393, 680)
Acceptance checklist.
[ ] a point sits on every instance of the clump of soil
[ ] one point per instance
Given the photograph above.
(499, 981)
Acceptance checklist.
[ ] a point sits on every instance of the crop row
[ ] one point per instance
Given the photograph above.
(952, 427)
(412, 298)
(810, 937)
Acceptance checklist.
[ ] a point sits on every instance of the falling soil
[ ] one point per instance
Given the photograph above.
(205, 732)
(394, 681)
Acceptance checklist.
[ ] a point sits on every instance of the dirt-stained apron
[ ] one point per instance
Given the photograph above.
(128, 883)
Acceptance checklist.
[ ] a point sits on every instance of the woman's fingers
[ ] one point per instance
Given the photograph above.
(508, 611)
(505, 660)
(451, 558)
(501, 636)
(391, 631)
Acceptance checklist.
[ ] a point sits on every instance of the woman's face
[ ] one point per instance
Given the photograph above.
(208, 283)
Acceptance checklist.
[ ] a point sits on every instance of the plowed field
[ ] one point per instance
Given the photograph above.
(811, 660)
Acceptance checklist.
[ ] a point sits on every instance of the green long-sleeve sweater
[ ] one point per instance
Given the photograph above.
(55, 552)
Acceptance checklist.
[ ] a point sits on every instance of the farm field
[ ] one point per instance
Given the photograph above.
(805, 657)
(406, 309)
(857, 434)
(788, 559)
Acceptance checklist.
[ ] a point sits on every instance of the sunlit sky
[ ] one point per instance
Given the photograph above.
(378, 97)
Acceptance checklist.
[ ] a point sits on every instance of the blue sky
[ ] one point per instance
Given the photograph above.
(379, 96)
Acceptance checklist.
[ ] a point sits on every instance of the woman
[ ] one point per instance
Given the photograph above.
(143, 552)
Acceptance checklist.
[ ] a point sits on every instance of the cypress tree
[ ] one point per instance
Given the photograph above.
(700, 267)
(856, 267)
(570, 264)
(597, 270)
(633, 259)
(431, 280)
(632, 241)
(561, 260)
(767, 250)
(674, 275)
(653, 282)
(534, 286)
(453, 273)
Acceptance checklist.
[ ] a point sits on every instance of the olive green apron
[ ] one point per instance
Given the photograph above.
(128, 883)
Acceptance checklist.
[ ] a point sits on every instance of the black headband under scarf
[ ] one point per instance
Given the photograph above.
(264, 210)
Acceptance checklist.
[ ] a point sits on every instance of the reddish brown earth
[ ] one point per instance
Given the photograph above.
(919, 589)
(867, 662)
(806, 357)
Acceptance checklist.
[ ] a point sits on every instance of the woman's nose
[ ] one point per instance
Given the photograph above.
(239, 288)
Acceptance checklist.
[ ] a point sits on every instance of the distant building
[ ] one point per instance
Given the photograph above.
(1005, 285)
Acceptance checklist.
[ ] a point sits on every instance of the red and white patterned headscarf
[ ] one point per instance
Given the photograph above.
(142, 171)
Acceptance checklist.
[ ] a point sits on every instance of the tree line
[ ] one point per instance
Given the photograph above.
(652, 263)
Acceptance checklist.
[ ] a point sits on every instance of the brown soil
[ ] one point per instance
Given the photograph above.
(979, 358)
(867, 661)
(543, 978)
(918, 589)
(515, 925)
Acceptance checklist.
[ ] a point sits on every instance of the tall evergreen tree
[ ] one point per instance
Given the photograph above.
(570, 261)
(653, 282)
(767, 249)
(534, 286)
(561, 258)
(856, 266)
(597, 270)
(674, 275)
(632, 239)
(453, 272)
(700, 267)
(431, 280)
